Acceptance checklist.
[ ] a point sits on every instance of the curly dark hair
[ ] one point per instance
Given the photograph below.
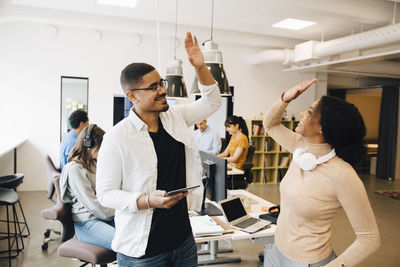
(343, 128)
(233, 120)
(132, 74)
(77, 117)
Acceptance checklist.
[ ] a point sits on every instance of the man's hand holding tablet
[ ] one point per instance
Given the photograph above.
(182, 190)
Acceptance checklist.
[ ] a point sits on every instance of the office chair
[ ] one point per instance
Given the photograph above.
(242, 181)
(52, 173)
(72, 247)
(60, 212)
(248, 175)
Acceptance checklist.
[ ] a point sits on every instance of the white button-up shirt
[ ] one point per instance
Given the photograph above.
(208, 140)
(127, 168)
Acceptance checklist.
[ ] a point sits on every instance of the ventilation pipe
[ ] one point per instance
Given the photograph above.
(376, 37)
(274, 55)
(315, 50)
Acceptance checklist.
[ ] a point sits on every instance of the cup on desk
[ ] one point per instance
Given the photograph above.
(246, 203)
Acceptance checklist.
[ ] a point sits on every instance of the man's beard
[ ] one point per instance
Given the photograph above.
(164, 109)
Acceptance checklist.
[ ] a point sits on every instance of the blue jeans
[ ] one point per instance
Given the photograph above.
(96, 232)
(185, 255)
(274, 258)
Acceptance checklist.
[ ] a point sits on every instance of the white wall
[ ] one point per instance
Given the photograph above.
(32, 64)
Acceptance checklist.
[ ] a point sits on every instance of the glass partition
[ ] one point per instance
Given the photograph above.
(74, 96)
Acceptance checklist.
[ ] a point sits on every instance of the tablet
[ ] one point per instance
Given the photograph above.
(182, 190)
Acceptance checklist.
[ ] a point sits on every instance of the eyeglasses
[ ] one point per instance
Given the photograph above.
(155, 86)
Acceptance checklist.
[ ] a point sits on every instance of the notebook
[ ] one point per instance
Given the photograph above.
(205, 226)
(236, 215)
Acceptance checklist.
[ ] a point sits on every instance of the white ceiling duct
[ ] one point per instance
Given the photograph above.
(372, 38)
(273, 55)
(311, 50)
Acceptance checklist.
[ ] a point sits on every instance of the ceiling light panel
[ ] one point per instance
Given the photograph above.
(120, 3)
(293, 24)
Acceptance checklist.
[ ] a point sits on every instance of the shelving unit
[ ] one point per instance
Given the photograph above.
(270, 160)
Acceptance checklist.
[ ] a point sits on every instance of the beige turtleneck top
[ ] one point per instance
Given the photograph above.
(311, 199)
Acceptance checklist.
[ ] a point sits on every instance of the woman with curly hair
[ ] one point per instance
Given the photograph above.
(326, 146)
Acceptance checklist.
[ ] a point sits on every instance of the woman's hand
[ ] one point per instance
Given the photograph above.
(297, 90)
(193, 51)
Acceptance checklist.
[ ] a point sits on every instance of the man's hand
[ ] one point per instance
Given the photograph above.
(195, 55)
(159, 199)
(297, 90)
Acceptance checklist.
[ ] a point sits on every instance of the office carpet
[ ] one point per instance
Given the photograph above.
(390, 193)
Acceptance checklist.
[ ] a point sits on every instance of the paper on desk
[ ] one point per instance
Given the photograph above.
(205, 226)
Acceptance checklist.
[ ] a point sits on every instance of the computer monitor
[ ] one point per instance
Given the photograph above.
(122, 107)
(214, 170)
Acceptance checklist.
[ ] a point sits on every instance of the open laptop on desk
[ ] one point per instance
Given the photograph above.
(236, 215)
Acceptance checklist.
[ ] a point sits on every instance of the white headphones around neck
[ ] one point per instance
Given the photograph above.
(308, 161)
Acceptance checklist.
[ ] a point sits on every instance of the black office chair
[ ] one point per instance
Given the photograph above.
(243, 180)
(248, 175)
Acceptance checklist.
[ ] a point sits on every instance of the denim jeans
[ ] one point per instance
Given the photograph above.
(96, 232)
(274, 258)
(185, 255)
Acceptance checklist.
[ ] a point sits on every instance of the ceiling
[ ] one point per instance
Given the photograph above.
(333, 18)
(252, 18)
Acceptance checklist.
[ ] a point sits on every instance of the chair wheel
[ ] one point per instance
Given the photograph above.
(45, 246)
(261, 256)
(47, 234)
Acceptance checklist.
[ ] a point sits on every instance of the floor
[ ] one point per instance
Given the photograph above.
(387, 212)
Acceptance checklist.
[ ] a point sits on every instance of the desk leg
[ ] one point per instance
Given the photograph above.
(15, 160)
(214, 259)
(207, 250)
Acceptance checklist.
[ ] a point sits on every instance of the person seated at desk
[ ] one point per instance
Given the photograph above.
(206, 138)
(93, 223)
(236, 151)
(78, 120)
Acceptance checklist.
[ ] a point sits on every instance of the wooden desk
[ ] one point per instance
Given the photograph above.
(261, 237)
(8, 145)
(234, 171)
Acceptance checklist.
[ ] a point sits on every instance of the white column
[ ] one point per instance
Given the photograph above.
(321, 87)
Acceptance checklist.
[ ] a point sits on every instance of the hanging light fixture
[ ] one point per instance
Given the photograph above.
(176, 85)
(213, 60)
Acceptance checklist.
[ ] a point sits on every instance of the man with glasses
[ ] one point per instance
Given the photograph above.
(148, 154)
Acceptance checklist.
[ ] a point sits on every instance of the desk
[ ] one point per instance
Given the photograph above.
(234, 171)
(8, 145)
(260, 237)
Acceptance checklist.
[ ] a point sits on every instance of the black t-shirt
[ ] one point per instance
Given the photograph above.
(169, 227)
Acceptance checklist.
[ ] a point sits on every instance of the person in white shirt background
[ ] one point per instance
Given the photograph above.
(206, 138)
(150, 152)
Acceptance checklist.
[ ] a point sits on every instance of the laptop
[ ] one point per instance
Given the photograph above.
(236, 215)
